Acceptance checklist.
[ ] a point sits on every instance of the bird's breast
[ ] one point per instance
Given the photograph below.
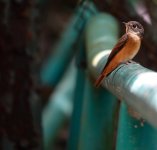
(131, 47)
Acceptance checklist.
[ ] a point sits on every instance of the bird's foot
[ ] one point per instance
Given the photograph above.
(128, 62)
(124, 62)
(131, 61)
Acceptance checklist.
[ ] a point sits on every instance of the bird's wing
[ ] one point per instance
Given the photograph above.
(121, 43)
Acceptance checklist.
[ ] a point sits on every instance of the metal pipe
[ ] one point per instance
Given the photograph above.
(75, 125)
(134, 135)
(59, 108)
(133, 83)
(53, 69)
(98, 119)
(88, 121)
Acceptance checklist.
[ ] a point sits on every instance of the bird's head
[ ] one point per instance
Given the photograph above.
(135, 28)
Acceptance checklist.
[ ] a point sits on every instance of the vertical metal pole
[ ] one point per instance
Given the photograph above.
(134, 135)
(54, 67)
(94, 115)
(98, 119)
(59, 108)
(78, 99)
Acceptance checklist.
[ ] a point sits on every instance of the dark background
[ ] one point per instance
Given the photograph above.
(29, 32)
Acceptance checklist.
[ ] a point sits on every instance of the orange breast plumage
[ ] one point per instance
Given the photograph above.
(130, 49)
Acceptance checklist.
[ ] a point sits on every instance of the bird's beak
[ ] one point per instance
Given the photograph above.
(125, 23)
(126, 26)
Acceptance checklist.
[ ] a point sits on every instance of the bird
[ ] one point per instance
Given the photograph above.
(125, 49)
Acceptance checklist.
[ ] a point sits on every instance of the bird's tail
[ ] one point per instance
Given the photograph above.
(99, 80)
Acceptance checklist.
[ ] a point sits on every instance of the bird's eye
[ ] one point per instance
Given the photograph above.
(134, 26)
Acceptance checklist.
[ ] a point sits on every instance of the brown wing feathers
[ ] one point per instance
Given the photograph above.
(121, 43)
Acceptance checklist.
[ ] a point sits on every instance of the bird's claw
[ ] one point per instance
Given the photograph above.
(128, 62)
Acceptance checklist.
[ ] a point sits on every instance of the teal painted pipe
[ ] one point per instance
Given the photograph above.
(98, 119)
(132, 83)
(132, 135)
(56, 64)
(59, 108)
(78, 99)
(101, 36)
(75, 126)
(90, 129)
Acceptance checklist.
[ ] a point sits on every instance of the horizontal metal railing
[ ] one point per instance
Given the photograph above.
(133, 83)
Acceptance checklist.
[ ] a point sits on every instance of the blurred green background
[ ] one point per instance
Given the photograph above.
(47, 98)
